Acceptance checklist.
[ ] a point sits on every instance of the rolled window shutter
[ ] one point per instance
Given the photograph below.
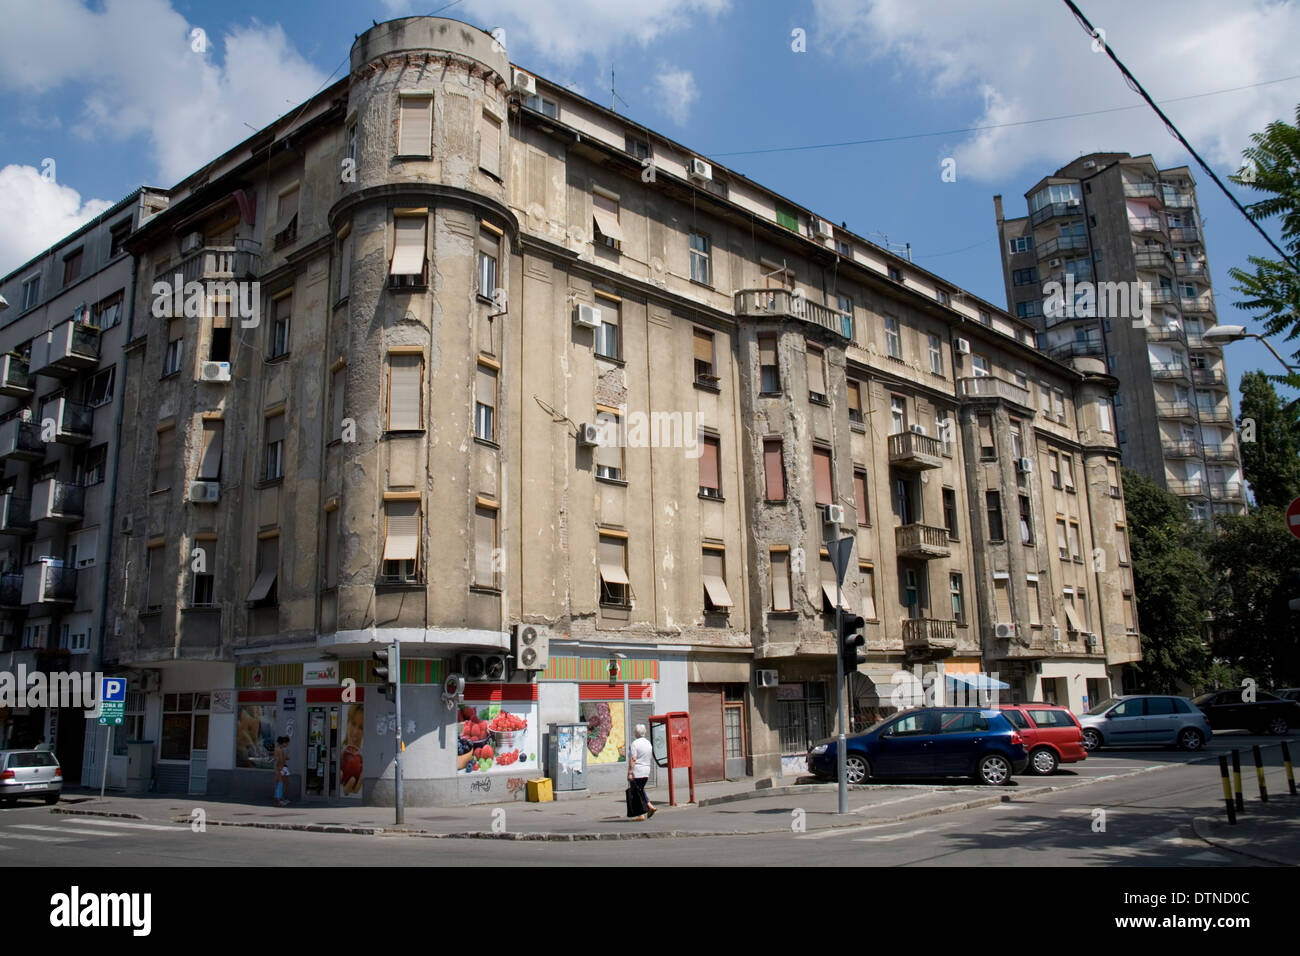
(855, 397)
(703, 346)
(781, 581)
(610, 455)
(408, 245)
(860, 495)
(605, 212)
(1035, 611)
(709, 462)
(766, 350)
(286, 210)
(486, 389)
(274, 429)
(816, 372)
(613, 559)
(405, 392)
(402, 542)
(773, 471)
(485, 543)
(822, 476)
(417, 125)
(163, 463)
(1002, 597)
(868, 592)
(715, 584)
(210, 464)
(490, 145)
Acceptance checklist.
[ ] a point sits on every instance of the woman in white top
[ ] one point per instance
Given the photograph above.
(638, 769)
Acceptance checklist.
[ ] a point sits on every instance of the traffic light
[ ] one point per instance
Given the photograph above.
(384, 671)
(851, 639)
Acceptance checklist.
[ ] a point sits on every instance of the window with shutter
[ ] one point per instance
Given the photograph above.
(867, 573)
(338, 396)
(332, 548)
(860, 497)
(210, 462)
(485, 403)
(345, 266)
(286, 218)
(773, 470)
(409, 249)
(274, 447)
(405, 392)
(162, 476)
(1002, 599)
(816, 375)
(1035, 611)
(769, 370)
(609, 453)
(263, 591)
(615, 586)
(489, 146)
(780, 580)
(604, 209)
(855, 402)
(822, 476)
(710, 477)
(415, 133)
(716, 595)
(485, 547)
(154, 557)
(401, 541)
(705, 374)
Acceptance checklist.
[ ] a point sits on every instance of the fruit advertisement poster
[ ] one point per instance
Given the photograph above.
(606, 731)
(497, 737)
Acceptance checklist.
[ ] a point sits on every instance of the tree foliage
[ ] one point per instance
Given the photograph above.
(1271, 456)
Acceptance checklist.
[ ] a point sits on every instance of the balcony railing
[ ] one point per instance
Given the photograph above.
(1224, 490)
(1188, 267)
(11, 590)
(910, 450)
(1189, 448)
(73, 422)
(66, 349)
(1145, 224)
(1191, 486)
(16, 515)
(1178, 199)
(47, 582)
(781, 303)
(1214, 413)
(922, 541)
(1209, 376)
(1144, 191)
(1224, 451)
(1200, 304)
(923, 636)
(1069, 350)
(1053, 247)
(1184, 234)
(239, 261)
(1152, 260)
(1166, 333)
(1168, 370)
(21, 440)
(54, 500)
(1196, 340)
(1055, 209)
(1162, 296)
(15, 376)
(1174, 409)
(986, 386)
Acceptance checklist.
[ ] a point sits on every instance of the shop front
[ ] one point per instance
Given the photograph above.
(1077, 685)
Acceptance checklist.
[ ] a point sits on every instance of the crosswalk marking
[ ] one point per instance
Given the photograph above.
(890, 837)
(37, 826)
(131, 826)
(38, 839)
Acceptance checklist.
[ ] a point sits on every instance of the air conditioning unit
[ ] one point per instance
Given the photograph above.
(586, 315)
(521, 82)
(1025, 465)
(962, 346)
(489, 667)
(1004, 631)
(205, 492)
(532, 646)
(127, 524)
(833, 514)
(1054, 262)
(214, 372)
(588, 435)
(916, 429)
(1072, 203)
(1090, 640)
(822, 228)
(700, 171)
(191, 242)
(766, 678)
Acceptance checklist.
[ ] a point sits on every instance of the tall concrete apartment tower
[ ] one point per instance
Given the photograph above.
(1111, 220)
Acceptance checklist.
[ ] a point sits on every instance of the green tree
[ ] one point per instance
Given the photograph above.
(1171, 583)
(1256, 562)
(1270, 442)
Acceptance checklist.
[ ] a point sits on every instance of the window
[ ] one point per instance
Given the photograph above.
(162, 477)
(83, 548)
(769, 372)
(1024, 276)
(716, 595)
(854, 390)
(780, 559)
(787, 218)
(1061, 545)
(897, 414)
(1017, 439)
(274, 443)
(1002, 600)
(1084, 617)
(1026, 521)
(701, 260)
(1103, 415)
(822, 476)
(31, 292)
(210, 459)
(489, 145)
(942, 297)
(331, 550)
(1054, 466)
(860, 497)
(615, 586)
(1058, 404)
(936, 355)
(405, 392)
(1130, 619)
(282, 309)
(409, 265)
(203, 583)
(950, 513)
(1121, 543)
(286, 221)
(486, 561)
(154, 568)
(1067, 470)
(705, 372)
(1021, 379)
(485, 402)
(72, 266)
(816, 375)
(958, 603)
(773, 469)
(352, 141)
(710, 475)
(993, 504)
(99, 387)
(1031, 592)
(175, 347)
(108, 312)
(264, 591)
(1112, 472)
(845, 306)
(402, 542)
(607, 341)
(117, 236)
(893, 340)
(1075, 550)
(1021, 244)
(637, 148)
(608, 455)
(979, 366)
(547, 107)
(988, 450)
(867, 573)
(895, 274)
(489, 250)
(96, 462)
(604, 210)
(415, 125)
(338, 400)
(1029, 310)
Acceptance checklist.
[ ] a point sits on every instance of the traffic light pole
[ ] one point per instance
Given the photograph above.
(396, 664)
(841, 742)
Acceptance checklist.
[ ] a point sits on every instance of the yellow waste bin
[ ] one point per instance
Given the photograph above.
(539, 790)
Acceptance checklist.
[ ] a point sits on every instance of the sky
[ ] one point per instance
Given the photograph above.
(97, 98)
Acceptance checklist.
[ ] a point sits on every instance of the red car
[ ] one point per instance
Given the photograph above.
(1051, 733)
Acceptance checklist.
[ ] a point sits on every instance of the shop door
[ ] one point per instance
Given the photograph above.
(707, 741)
(322, 751)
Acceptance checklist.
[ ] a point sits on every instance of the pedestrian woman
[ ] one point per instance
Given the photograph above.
(638, 772)
(281, 770)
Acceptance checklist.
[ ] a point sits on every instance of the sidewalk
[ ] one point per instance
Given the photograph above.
(1265, 831)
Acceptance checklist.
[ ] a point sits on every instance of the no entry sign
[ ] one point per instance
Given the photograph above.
(1293, 517)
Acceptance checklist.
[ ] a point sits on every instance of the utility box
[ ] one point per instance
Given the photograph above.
(539, 790)
(567, 752)
(139, 765)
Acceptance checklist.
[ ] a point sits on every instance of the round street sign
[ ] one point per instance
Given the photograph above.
(1293, 517)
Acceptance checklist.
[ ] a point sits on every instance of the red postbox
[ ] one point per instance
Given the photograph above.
(670, 736)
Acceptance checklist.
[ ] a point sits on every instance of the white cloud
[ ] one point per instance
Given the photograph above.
(674, 91)
(1034, 60)
(36, 213)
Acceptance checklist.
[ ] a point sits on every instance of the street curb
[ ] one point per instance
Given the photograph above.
(96, 813)
(1201, 824)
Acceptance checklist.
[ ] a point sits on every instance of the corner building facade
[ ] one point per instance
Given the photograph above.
(520, 364)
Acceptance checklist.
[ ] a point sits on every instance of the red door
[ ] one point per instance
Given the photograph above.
(708, 750)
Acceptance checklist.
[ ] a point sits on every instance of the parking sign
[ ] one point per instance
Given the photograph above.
(112, 697)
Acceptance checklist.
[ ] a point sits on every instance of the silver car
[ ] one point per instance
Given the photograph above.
(1145, 719)
(30, 773)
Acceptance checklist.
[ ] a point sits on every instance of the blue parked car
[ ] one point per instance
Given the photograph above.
(928, 742)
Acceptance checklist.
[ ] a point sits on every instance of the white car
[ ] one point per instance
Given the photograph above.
(30, 773)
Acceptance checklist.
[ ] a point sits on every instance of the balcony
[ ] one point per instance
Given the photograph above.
(1188, 267)
(1195, 341)
(16, 515)
(65, 350)
(783, 304)
(1169, 370)
(1145, 224)
(21, 441)
(1184, 234)
(1054, 247)
(1189, 448)
(1215, 413)
(54, 500)
(1224, 451)
(1162, 296)
(918, 452)
(15, 376)
(1226, 490)
(986, 386)
(1209, 377)
(73, 422)
(1174, 410)
(1201, 304)
(921, 541)
(1055, 210)
(11, 592)
(1193, 487)
(1175, 199)
(1144, 191)
(240, 261)
(1153, 260)
(1166, 333)
(48, 582)
(927, 637)
(1069, 350)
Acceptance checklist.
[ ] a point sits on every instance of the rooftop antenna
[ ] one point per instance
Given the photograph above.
(904, 247)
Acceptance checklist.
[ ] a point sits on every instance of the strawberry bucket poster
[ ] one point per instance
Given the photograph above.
(497, 736)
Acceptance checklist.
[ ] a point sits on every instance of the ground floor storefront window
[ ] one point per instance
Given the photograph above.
(802, 715)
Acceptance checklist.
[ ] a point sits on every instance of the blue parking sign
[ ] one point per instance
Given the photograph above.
(112, 700)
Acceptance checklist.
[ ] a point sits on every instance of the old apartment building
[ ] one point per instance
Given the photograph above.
(66, 317)
(1112, 218)
(471, 355)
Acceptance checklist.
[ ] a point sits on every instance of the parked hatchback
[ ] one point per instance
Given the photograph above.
(1145, 719)
(1265, 714)
(30, 773)
(928, 742)
(1289, 693)
(1051, 733)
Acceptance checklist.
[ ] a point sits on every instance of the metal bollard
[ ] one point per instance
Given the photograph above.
(1236, 779)
(1259, 772)
(1227, 788)
(1286, 762)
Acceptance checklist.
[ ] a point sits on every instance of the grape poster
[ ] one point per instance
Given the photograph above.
(497, 737)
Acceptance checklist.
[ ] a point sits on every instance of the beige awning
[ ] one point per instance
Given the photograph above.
(716, 589)
(829, 591)
(605, 213)
(1073, 620)
(613, 574)
(408, 248)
